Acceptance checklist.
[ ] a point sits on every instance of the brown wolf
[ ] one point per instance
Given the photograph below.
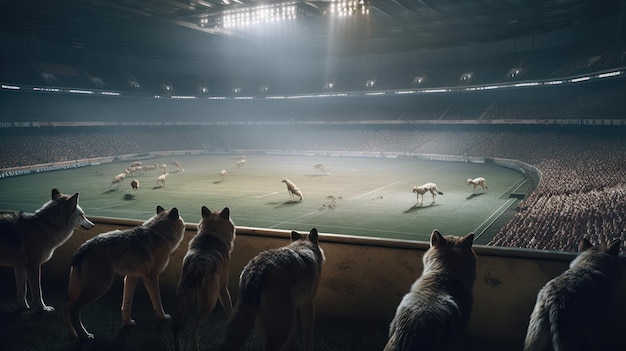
(204, 276)
(435, 313)
(28, 240)
(570, 308)
(139, 252)
(273, 286)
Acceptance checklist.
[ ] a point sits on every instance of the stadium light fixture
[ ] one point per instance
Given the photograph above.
(345, 8)
(466, 76)
(417, 80)
(245, 17)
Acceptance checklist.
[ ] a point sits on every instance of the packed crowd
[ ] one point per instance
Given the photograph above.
(582, 192)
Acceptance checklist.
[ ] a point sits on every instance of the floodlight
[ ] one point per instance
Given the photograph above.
(466, 76)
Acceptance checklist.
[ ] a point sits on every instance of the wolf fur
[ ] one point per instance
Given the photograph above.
(139, 252)
(292, 189)
(161, 179)
(570, 308)
(135, 185)
(204, 275)
(118, 179)
(273, 286)
(422, 189)
(321, 168)
(434, 314)
(480, 181)
(28, 240)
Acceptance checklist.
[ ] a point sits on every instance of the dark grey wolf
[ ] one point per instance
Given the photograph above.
(204, 275)
(570, 308)
(434, 314)
(273, 286)
(139, 252)
(28, 240)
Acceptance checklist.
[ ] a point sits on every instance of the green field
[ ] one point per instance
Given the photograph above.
(372, 196)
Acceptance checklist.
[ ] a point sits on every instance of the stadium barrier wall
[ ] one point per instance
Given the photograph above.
(55, 166)
(364, 279)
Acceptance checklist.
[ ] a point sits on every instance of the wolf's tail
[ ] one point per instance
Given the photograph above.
(241, 321)
(74, 290)
(195, 271)
(538, 334)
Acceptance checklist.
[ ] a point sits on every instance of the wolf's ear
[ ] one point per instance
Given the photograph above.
(584, 245)
(73, 201)
(159, 209)
(173, 215)
(468, 240)
(225, 214)
(613, 248)
(56, 193)
(295, 235)
(436, 239)
(205, 211)
(313, 236)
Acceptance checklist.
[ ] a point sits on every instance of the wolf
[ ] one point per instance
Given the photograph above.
(480, 181)
(569, 310)
(135, 185)
(321, 168)
(204, 275)
(272, 287)
(292, 189)
(161, 179)
(434, 314)
(28, 240)
(422, 189)
(139, 252)
(118, 179)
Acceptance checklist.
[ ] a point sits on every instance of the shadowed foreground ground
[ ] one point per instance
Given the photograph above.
(29, 330)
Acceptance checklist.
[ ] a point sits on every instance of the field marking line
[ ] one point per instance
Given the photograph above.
(514, 186)
(496, 213)
(266, 195)
(375, 190)
(293, 219)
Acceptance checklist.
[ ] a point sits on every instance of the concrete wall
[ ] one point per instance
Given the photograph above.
(365, 278)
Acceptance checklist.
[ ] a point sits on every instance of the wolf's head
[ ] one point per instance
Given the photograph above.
(451, 254)
(302, 242)
(169, 225)
(603, 258)
(74, 215)
(217, 224)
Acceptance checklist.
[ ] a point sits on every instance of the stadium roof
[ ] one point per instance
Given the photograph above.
(173, 27)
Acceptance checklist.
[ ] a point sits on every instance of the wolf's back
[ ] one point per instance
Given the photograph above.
(241, 321)
(426, 323)
(9, 231)
(96, 241)
(196, 271)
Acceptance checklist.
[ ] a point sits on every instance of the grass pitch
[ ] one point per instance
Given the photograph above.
(361, 196)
